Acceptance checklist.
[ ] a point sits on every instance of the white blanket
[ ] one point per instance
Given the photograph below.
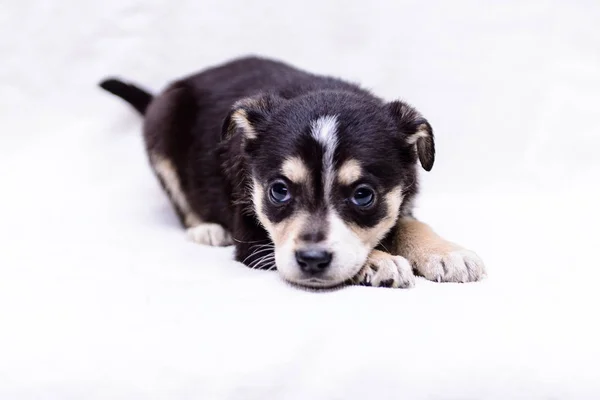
(102, 296)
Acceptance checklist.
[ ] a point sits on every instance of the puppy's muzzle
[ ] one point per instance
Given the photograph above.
(313, 261)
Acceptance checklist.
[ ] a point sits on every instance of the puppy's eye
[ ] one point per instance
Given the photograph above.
(279, 193)
(363, 196)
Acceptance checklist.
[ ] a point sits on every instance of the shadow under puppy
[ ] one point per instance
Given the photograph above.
(304, 173)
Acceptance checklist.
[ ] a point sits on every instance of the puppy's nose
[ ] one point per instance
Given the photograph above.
(313, 261)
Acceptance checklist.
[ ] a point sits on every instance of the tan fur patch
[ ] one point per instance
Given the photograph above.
(349, 172)
(240, 117)
(165, 169)
(416, 240)
(373, 235)
(433, 256)
(295, 170)
(420, 133)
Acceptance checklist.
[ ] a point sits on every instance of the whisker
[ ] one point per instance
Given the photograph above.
(255, 253)
(262, 252)
(273, 267)
(257, 263)
(385, 248)
(264, 261)
(261, 246)
(254, 241)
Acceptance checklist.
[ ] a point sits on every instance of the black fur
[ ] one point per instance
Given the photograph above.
(138, 98)
(191, 124)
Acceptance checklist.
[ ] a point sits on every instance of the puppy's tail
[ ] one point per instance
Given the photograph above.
(138, 98)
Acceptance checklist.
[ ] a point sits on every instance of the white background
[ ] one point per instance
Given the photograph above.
(102, 297)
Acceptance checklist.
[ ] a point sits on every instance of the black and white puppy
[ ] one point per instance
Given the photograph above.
(304, 173)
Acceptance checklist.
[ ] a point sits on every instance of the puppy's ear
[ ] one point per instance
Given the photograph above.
(247, 115)
(416, 130)
(244, 123)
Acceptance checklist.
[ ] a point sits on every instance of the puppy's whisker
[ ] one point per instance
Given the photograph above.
(260, 246)
(257, 261)
(255, 253)
(266, 261)
(263, 261)
(262, 251)
(253, 241)
(385, 248)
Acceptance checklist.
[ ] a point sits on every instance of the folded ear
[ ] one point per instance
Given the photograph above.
(416, 130)
(248, 114)
(244, 123)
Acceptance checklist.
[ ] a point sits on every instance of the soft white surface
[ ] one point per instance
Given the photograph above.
(101, 295)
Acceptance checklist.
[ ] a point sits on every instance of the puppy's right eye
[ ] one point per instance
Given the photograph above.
(279, 193)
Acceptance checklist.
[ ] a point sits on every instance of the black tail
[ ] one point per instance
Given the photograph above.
(138, 98)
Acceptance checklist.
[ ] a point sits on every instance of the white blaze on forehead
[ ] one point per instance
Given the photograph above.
(295, 170)
(324, 130)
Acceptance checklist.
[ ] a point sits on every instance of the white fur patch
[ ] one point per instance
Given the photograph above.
(324, 130)
(210, 234)
(459, 265)
(165, 169)
(295, 170)
(349, 254)
(384, 269)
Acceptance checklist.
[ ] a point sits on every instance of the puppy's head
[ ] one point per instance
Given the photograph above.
(328, 174)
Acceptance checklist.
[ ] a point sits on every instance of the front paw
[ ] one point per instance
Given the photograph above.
(454, 265)
(210, 235)
(385, 270)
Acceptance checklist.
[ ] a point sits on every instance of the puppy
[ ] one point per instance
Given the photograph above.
(306, 174)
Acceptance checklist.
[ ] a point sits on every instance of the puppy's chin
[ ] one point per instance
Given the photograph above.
(313, 285)
(337, 274)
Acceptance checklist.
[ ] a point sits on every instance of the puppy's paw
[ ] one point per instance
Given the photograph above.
(453, 265)
(210, 235)
(385, 270)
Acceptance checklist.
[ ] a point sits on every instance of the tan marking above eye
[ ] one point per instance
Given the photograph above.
(349, 172)
(295, 170)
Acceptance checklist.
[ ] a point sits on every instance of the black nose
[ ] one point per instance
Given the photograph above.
(313, 261)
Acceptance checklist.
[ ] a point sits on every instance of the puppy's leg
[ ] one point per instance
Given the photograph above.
(384, 269)
(434, 257)
(168, 137)
(197, 230)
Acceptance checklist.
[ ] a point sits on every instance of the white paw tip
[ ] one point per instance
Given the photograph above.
(209, 234)
(389, 271)
(456, 266)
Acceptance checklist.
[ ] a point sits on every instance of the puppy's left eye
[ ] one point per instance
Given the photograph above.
(363, 196)
(279, 192)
